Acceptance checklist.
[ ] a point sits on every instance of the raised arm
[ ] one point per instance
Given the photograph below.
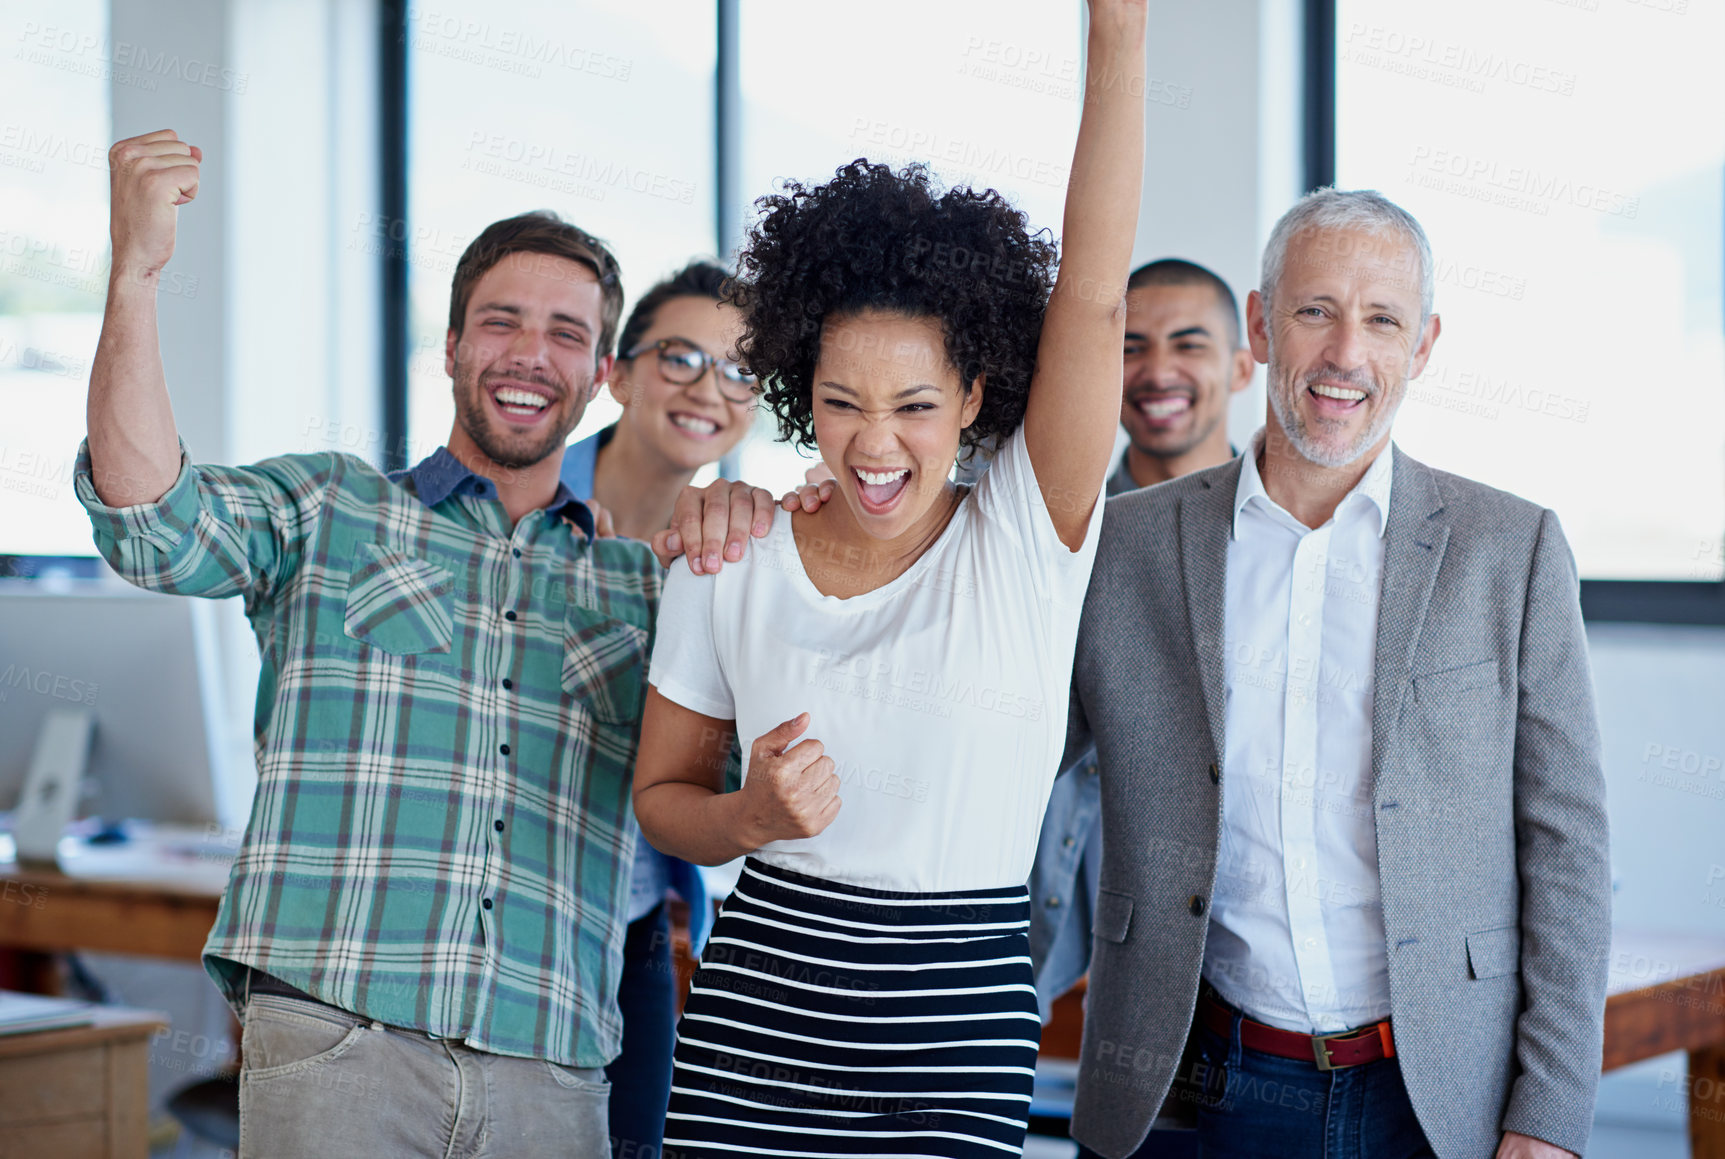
(134, 446)
(1074, 404)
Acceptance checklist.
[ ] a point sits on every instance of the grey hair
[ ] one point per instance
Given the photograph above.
(1355, 209)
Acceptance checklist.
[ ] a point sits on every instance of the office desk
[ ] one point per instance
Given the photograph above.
(1664, 993)
(154, 895)
(80, 1092)
(1667, 992)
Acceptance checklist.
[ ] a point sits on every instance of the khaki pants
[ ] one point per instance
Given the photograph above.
(320, 1083)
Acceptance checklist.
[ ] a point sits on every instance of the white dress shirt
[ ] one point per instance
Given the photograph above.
(1296, 935)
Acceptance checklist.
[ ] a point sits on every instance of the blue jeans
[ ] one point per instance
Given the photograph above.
(1162, 1144)
(1259, 1104)
(641, 1076)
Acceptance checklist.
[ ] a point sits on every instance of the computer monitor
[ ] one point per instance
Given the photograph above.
(145, 667)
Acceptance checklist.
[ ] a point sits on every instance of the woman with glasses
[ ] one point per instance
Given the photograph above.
(685, 403)
(896, 664)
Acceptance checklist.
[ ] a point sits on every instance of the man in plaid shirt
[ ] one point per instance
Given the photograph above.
(423, 929)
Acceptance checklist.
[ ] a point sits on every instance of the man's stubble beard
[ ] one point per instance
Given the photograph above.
(1293, 425)
(476, 422)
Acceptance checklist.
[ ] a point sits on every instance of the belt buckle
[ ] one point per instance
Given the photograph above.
(1321, 1050)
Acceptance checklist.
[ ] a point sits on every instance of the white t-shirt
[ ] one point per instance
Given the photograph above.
(941, 697)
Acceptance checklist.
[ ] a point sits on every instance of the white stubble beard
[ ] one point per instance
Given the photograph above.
(1313, 450)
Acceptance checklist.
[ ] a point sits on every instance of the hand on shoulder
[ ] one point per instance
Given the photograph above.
(712, 524)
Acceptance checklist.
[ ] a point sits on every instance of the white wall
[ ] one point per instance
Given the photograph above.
(1222, 155)
(194, 335)
(304, 319)
(1662, 715)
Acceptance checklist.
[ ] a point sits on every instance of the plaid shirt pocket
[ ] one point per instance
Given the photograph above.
(398, 603)
(604, 665)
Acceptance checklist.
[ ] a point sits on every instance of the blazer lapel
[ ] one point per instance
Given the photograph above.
(1206, 522)
(1414, 540)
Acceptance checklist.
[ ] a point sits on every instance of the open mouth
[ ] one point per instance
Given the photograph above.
(693, 425)
(1163, 410)
(521, 404)
(880, 490)
(1335, 400)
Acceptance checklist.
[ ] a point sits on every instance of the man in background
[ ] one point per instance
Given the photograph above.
(1184, 363)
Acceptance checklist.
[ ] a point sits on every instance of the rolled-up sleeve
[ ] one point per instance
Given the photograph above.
(162, 523)
(217, 531)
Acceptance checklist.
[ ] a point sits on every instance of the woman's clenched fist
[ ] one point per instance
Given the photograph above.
(792, 790)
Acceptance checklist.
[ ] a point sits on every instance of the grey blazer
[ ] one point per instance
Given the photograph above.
(1487, 789)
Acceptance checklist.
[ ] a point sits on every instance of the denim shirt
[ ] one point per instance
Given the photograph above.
(1063, 882)
(1068, 867)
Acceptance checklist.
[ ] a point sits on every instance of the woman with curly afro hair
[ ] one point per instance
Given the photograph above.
(895, 662)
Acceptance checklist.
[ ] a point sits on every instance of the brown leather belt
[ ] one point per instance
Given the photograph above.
(1328, 1051)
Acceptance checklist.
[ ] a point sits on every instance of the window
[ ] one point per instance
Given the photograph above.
(986, 96)
(1573, 194)
(608, 118)
(53, 267)
(602, 112)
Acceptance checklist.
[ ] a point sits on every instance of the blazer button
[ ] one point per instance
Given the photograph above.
(1053, 902)
(1215, 774)
(1196, 905)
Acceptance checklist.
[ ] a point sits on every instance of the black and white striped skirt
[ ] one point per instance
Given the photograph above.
(831, 1020)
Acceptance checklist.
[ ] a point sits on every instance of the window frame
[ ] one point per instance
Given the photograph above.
(1602, 601)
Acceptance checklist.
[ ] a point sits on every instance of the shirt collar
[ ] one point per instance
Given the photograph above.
(1121, 481)
(440, 475)
(1373, 487)
(581, 460)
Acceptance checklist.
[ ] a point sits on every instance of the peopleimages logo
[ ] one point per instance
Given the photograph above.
(41, 147)
(1516, 186)
(1448, 62)
(522, 51)
(932, 145)
(120, 60)
(583, 174)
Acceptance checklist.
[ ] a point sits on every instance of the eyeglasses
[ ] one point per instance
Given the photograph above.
(683, 363)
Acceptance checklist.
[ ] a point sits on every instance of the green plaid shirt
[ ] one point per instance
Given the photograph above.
(445, 729)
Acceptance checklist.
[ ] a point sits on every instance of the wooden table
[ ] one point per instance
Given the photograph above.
(81, 1092)
(142, 897)
(1664, 993)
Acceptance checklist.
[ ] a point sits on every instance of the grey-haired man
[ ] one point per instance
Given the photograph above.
(1354, 838)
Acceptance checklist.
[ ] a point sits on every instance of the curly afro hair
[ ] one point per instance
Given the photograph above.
(873, 239)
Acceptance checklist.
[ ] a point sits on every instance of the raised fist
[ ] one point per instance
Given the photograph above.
(149, 178)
